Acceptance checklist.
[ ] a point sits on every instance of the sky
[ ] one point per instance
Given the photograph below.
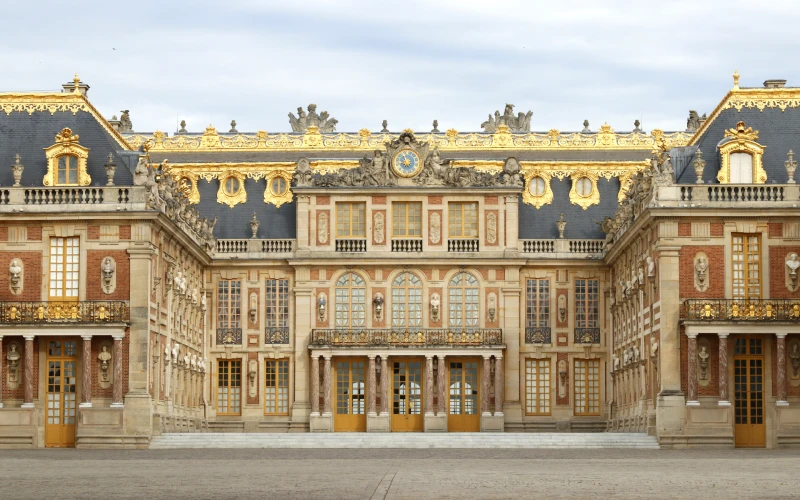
(407, 61)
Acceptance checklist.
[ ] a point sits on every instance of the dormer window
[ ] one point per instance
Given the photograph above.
(67, 170)
(584, 189)
(231, 188)
(66, 161)
(740, 157)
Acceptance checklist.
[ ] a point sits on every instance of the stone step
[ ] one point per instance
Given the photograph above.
(398, 440)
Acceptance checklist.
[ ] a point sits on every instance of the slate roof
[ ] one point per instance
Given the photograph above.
(778, 131)
(28, 135)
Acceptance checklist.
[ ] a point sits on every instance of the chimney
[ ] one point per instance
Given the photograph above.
(774, 84)
(69, 87)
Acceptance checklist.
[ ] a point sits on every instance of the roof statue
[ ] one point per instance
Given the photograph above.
(183, 128)
(586, 128)
(125, 125)
(694, 121)
(303, 120)
(435, 129)
(519, 123)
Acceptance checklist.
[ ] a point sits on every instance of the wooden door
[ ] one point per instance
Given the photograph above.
(748, 390)
(350, 414)
(407, 395)
(62, 373)
(464, 409)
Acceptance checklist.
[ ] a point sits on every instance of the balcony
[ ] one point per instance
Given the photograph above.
(87, 312)
(358, 245)
(276, 335)
(462, 245)
(253, 248)
(562, 248)
(406, 245)
(538, 335)
(229, 336)
(424, 337)
(587, 336)
(750, 310)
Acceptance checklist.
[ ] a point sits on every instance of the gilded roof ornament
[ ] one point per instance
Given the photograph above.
(66, 136)
(736, 79)
(742, 133)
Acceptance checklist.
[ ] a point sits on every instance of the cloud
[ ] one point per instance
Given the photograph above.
(408, 62)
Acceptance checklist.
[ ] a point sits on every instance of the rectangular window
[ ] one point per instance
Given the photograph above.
(229, 304)
(537, 386)
(67, 170)
(746, 266)
(463, 220)
(350, 220)
(587, 387)
(229, 387)
(276, 392)
(537, 312)
(277, 315)
(587, 303)
(407, 219)
(64, 268)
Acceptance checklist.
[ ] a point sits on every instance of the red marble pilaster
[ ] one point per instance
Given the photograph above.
(385, 387)
(371, 385)
(315, 385)
(1, 371)
(485, 382)
(117, 386)
(86, 378)
(327, 386)
(28, 389)
(781, 370)
(442, 385)
(498, 385)
(429, 385)
(723, 370)
(692, 368)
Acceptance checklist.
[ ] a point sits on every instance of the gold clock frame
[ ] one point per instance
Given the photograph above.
(403, 174)
(66, 144)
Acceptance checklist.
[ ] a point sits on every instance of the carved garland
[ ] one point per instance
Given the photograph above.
(66, 144)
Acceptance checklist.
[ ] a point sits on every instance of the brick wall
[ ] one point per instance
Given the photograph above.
(31, 276)
(19, 392)
(777, 272)
(94, 289)
(124, 232)
(717, 229)
(775, 229)
(93, 233)
(716, 271)
(35, 233)
(684, 229)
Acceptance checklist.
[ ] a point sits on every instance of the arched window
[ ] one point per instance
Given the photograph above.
(67, 170)
(350, 301)
(741, 168)
(463, 301)
(406, 301)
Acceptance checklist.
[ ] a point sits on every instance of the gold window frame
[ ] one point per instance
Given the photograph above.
(233, 199)
(593, 198)
(273, 198)
(531, 199)
(66, 144)
(743, 140)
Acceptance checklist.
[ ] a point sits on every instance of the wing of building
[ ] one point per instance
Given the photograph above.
(413, 281)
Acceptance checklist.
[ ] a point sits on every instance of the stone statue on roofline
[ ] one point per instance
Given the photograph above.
(323, 121)
(519, 123)
(125, 125)
(694, 121)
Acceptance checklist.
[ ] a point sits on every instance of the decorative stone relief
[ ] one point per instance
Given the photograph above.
(562, 308)
(703, 373)
(436, 302)
(252, 373)
(253, 308)
(701, 272)
(322, 228)
(106, 371)
(322, 122)
(519, 123)
(791, 271)
(562, 379)
(491, 312)
(108, 275)
(175, 352)
(435, 228)
(491, 228)
(15, 280)
(13, 357)
(377, 303)
(322, 307)
(378, 228)
(794, 361)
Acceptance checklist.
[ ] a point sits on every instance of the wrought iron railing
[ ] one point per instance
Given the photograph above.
(587, 336)
(537, 335)
(276, 335)
(79, 312)
(742, 310)
(420, 337)
(229, 336)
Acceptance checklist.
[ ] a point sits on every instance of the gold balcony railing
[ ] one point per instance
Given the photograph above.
(742, 310)
(79, 312)
(412, 337)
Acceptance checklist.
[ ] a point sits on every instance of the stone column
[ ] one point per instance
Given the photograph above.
(28, 388)
(723, 370)
(429, 385)
(314, 385)
(781, 361)
(1, 371)
(442, 383)
(485, 383)
(385, 386)
(692, 358)
(86, 378)
(371, 385)
(498, 386)
(327, 387)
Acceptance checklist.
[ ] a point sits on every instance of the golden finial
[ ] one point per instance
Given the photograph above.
(736, 79)
(76, 80)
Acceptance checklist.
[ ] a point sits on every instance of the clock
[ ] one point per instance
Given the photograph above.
(406, 163)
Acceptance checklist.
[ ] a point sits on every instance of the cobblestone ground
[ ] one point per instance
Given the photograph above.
(398, 474)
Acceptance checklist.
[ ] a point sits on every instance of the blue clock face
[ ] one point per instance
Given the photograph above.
(406, 163)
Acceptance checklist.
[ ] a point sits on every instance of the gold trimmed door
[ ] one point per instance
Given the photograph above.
(350, 413)
(62, 378)
(748, 392)
(464, 400)
(407, 395)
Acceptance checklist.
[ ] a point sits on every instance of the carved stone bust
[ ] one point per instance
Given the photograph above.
(701, 278)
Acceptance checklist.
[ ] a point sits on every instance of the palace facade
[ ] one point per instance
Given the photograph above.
(441, 281)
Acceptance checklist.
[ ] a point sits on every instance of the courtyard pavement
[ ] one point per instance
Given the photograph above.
(398, 474)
